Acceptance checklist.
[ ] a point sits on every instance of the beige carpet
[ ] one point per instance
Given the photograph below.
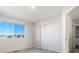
(32, 50)
(75, 50)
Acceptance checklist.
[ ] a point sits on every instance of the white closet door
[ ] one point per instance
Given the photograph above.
(50, 37)
(44, 37)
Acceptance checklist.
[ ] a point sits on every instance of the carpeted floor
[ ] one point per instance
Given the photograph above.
(75, 50)
(32, 50)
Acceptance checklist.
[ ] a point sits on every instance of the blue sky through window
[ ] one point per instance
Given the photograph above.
(19, 29)
(7, 28)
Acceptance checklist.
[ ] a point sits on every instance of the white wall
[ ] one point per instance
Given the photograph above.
(69, 33)
(8, 45)
(66, 33)
(56, 25)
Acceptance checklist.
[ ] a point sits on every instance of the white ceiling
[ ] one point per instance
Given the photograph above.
(28, 14)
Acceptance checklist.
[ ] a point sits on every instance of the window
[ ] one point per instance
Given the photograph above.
(19, 30)
(11, 30)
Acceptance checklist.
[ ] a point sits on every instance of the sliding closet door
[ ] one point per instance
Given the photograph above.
(50, 37)
(43, 41)
(54, 37)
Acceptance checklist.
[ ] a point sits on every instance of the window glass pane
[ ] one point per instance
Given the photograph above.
(3, 28)
(19, 31)
(6, 29)
(10, 30)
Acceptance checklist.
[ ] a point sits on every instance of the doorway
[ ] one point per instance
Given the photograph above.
(74, 14)
(77, 36)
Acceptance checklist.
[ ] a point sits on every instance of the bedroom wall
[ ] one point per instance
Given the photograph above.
(69, 33)
(8, 45)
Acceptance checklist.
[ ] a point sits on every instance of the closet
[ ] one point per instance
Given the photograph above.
(51, 37)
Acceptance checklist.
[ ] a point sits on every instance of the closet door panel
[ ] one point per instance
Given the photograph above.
(44, 37)
(53, 38)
